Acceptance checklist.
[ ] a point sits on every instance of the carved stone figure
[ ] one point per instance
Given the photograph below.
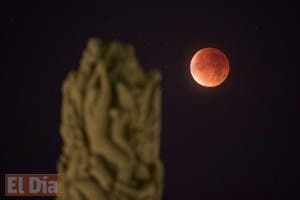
(111, 115)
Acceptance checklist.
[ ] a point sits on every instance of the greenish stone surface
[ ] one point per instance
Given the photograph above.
(110, 126)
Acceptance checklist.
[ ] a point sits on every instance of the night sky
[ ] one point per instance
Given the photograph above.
(236, 141)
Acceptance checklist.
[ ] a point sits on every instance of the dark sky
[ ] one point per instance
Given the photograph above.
(236, 141)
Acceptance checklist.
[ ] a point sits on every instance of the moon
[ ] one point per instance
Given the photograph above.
(209, 67)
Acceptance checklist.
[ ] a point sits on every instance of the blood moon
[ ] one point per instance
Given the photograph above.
(209, 67)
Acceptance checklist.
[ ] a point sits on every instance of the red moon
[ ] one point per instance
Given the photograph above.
(209, 67)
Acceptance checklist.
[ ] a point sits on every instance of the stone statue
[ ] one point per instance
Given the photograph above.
(110, 126)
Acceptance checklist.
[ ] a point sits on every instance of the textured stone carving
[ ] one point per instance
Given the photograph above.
(111, 114)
